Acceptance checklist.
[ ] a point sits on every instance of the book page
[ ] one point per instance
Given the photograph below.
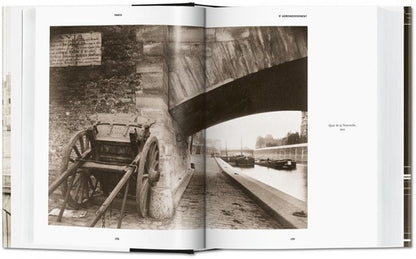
(11, 72)
(15, 230)
(112, 166)
(292, 122)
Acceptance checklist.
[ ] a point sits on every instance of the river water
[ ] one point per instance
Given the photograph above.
(294, 182)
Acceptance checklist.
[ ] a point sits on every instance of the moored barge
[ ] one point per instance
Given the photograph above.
(239, 160)
(284, 164)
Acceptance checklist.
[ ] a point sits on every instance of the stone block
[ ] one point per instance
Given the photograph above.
(167, 149)
(190, 76)
(176, 94)
(182, 182)
(161, 203)
(166, 121)
(187, 49)
(208, 51)
(152, 81)
(232, 33)
(186, 34)
(154, 49)
(166, 168)
(210, 34)
(150, 64)
(155, 33)
(153, 113)
(150, 101)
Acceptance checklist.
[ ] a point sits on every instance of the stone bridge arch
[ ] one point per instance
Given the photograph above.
(247, 70)
(279, 88)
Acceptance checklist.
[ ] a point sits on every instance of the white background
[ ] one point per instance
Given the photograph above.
(339, 253)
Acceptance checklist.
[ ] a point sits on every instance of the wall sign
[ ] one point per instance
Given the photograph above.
(75, 49)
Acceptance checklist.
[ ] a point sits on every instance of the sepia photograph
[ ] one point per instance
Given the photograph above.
(178, 127)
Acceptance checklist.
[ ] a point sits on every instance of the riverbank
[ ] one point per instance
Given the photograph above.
(280, 205)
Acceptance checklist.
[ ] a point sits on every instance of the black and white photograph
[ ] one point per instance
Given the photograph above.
(178, 127)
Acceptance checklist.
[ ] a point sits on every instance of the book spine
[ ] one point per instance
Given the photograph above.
(407, 27)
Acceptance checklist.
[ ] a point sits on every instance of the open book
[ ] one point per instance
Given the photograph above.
(192, 128)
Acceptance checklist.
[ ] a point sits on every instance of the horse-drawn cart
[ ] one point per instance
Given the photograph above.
(113, 158)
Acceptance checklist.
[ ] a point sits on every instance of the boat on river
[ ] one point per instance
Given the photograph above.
(283, 164)
(239, 160)
(244, 161)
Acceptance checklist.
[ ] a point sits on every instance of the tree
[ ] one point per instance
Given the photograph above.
(269, 141)
(260, 142)
(293, 138)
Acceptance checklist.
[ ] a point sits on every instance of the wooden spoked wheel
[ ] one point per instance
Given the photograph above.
(147, 171)
(83, 183)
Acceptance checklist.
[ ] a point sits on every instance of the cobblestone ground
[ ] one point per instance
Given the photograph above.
(227, 207)
(188, 215)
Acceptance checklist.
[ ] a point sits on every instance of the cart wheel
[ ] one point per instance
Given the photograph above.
(85, 184)
(148, 168)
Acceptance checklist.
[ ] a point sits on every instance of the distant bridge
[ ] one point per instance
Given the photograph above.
(234, 152)
(296, 152)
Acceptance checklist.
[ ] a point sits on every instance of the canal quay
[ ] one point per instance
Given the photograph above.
(228, 206)
(265, 188)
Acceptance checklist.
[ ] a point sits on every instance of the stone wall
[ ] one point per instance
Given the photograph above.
(152, 101)
(234, 52)
(186, 63)
(231, 53)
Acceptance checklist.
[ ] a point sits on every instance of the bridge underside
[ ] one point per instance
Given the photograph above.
(279, 88)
